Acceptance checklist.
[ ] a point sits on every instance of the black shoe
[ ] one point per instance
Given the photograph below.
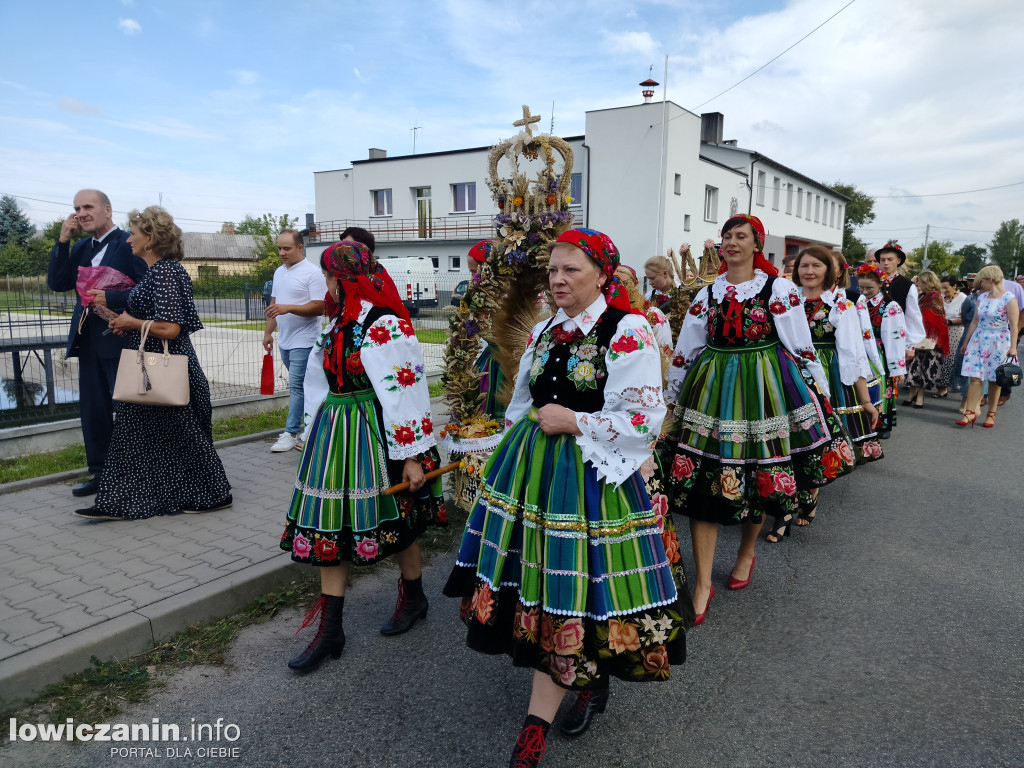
(330, 637)
(94, 513)
(531, 744)
(411, 605)
(224, 503)
(88, 488)
(588, 704)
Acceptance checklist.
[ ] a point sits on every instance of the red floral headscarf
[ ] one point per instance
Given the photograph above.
(360, 276)
(481, 251)
(600, 248)
(760, 262)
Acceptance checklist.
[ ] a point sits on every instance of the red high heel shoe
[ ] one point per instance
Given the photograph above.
(969, 418)
(991, 417)
(703, 614)
(735, 583)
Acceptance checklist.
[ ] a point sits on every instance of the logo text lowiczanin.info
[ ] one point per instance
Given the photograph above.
(151, 731)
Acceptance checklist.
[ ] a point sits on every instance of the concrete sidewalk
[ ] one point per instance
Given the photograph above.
(71, 589)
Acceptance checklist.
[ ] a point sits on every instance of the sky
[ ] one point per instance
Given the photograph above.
(225, 108)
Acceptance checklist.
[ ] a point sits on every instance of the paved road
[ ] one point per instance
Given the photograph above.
(891, 633)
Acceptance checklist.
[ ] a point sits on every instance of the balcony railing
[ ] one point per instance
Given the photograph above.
(388, 230)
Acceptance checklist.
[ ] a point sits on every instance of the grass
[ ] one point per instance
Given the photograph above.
(73, 457)
(100, 692)
(431, 335)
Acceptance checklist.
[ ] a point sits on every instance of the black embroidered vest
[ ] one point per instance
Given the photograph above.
(751, 324)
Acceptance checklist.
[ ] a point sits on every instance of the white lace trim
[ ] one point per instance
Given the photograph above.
(744, 291)
(760, 428)
(471, 444)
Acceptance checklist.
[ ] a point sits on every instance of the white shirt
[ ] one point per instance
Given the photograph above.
(850, 351)
(98, 256)
(620, 437)
(915, 323)
(953, 306)
(298, 284)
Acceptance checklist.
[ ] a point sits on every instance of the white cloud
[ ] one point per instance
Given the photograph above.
(245, 76)
(129, 26)
(79, 107)
(358, 74)
(633, 43)
(168, 126)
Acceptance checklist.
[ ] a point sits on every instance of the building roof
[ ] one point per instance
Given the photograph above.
(208, 246)
(755, 156)
(711, 161)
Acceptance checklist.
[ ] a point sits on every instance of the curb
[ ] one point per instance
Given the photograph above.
(24, 675)
(74, 474)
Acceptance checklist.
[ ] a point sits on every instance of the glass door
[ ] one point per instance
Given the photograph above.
(424, 212)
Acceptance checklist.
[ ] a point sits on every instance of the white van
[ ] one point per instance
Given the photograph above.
(415, 279)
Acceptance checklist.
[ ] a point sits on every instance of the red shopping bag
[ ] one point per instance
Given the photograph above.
(267, 376)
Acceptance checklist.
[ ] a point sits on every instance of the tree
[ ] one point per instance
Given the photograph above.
(942, 260)
(265, 230)
(14, 225)
(1005, 247)
(859, 211)
(973, 258)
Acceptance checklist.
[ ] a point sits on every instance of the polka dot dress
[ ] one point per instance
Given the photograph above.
(161, 459)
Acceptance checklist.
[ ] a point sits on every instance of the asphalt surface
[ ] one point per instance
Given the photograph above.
(889, 633)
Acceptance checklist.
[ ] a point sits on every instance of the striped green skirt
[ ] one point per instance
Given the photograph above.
(856, 421)
(338, 513)
(567, 573)
(749, 436)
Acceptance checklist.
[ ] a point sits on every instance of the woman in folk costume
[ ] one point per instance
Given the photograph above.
(748, 434)
(491, 377)
(924, 370)
(373, 431)
(564, 565)
(844, 287)
(890, 335)
(839, 344)
(655, 317)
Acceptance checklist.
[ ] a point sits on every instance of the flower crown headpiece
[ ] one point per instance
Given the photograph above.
(870, 269)
(893, 244)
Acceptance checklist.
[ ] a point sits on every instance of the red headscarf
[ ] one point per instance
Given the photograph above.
(481, 251)
(599, 247)
(360, 276)
(760, 262)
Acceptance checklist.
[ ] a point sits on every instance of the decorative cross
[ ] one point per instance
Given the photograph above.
(525, 123)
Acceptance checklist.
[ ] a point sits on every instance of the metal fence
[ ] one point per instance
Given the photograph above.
(37, 384)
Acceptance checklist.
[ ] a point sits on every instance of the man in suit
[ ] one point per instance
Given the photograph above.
(98, 353)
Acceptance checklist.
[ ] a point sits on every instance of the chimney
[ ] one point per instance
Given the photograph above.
(712, 125)
(378, 154)
(228, 228)
(648, 86)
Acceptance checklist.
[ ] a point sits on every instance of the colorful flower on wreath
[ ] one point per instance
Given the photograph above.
(552, 199)
(732, 485)
(656, 660)
(622, 636)
(367, 548)
(764, 484)
(354, 363)
(517, 201)
(659, 506)
(547, 633)
(483, 603)
(832, 463)
(784, 482)
(568, 640)
(565, 668)
(326, 550)
(777, 308)
(301, 546)
(682, 467)
(404, 435)
(380, 334)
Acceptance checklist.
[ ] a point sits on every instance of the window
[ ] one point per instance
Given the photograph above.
(679, 184)
(686, 222)
(711, 204)
(576, 189)
(776, 192)
(454, 263)
(381, 202)
(464, 197)
(762, 182)
(817, 208)
(789, 198)
(208, 270)
(799, 202)
(839, 217)
(435, 261)
(832, 215)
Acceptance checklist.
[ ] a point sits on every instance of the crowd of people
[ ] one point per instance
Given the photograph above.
(570, 562)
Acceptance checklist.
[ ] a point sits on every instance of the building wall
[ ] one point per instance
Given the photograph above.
(224, 267)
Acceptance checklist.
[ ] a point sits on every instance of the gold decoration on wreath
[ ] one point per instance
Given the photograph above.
(704, 274)
(501, 304)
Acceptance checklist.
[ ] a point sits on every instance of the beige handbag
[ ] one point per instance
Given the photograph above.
(152, 378)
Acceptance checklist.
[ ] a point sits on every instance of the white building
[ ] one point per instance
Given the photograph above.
(650, 184)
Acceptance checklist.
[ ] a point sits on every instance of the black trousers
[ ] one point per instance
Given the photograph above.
(96, 377)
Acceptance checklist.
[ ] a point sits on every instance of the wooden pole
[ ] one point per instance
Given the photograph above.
(429, 476)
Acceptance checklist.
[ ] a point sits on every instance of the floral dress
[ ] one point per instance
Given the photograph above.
(376, 415)
(750, 437)
(990, 343)
(890, 332)
(876, 379)
(161, 459)
(836, 330)
(569, 562)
